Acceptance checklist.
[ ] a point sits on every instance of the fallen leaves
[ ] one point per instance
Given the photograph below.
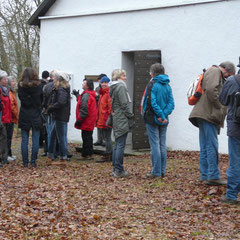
(83, 201)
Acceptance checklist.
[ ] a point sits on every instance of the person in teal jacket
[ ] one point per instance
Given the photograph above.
(158, 103)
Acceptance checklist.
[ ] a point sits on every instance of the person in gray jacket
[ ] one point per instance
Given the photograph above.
(208, 115)
(122, 119)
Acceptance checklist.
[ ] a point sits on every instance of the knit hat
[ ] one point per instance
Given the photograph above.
(105, 79)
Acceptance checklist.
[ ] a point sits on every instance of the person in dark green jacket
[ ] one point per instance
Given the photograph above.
(122, 119)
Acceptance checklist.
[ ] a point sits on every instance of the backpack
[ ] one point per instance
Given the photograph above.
(236, 103)
(195, 90)
(149, 113)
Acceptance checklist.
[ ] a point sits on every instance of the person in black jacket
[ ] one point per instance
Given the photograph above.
(59, 109)
(227, 98)
(30, 95)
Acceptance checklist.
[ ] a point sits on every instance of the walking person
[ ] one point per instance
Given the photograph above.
(208, 115)
(86, 115)
(158, 104)
(30, 95)
(59, 109)
(5, 118)
(227, 98)
(104, 110)
(122, 119)
(15, 112)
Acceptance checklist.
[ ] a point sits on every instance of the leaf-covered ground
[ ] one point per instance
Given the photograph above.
(83, 201)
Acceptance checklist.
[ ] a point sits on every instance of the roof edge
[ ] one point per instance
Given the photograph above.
(41, 11)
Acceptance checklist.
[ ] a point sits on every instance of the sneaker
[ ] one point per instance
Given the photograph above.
(215, 182)
(150, 175)
(14, 157)
(44, 154)
(224, 199)
(121, 174)
(97, 143)
(10, 159)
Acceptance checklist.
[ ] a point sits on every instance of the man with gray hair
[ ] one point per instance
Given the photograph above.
(208, 115)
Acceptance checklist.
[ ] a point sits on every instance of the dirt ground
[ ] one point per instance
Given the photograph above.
(83, 201)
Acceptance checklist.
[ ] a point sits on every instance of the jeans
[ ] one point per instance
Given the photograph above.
(35, 145)
(59, 130)
(87, 147)
(233, 172)
(157, 140)
(107, 132)
(118, 153)
(208, 160)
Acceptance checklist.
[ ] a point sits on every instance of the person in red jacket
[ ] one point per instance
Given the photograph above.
(5, 117)
(86, 114)
(6, 110)
(104, 110)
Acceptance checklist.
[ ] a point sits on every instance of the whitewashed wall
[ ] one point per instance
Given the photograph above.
(190, 38)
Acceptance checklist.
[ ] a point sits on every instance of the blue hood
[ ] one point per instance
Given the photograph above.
(163, 79)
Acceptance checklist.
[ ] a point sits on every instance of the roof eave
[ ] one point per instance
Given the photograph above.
(41, 11)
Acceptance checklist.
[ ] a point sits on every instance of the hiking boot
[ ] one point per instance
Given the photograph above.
(122, 174)
(97, 143)
(215, 182)
(101, 160)
(34, 165)
(224, 199)
(49, 161)
(85, 158)
(150, 175)
(5, 161)
(25, 165)
(61, 162)
(105, 158)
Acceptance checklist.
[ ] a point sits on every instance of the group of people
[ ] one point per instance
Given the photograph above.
(40, 100)
(109, 107)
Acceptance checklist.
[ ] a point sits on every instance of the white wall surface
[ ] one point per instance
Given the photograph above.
(190, 38)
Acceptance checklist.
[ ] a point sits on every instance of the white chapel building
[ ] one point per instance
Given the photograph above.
(87, 37)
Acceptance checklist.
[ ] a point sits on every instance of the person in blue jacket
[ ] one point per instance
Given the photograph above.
(158, 103)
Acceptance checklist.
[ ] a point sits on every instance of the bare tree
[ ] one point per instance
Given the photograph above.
(19, 42)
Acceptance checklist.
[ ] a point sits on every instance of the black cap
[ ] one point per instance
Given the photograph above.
(45, 74)
(101, 75)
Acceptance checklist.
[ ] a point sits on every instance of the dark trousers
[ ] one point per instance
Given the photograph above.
(3, 144)
(87, 147)
(9, 128)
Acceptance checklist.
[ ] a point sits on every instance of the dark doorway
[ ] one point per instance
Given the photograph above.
(138, 64)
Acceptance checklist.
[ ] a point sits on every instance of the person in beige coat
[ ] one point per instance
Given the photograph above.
(208, 115)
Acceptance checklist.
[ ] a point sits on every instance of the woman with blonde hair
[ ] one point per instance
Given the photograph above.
(122, 119)
(30, 95)
(59, 110)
